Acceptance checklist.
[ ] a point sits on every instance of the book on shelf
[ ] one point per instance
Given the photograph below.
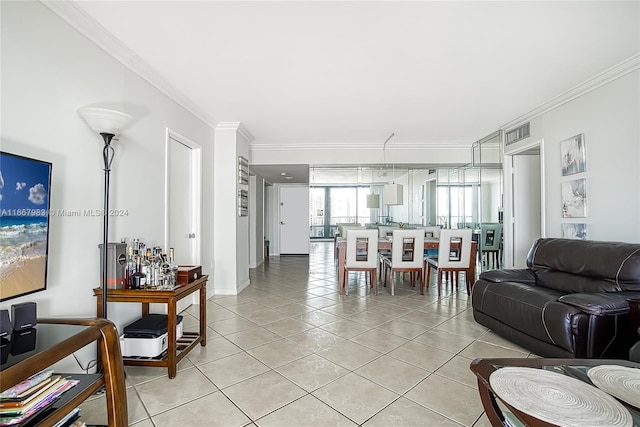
(25, 387)
(37, 401)
(28, 395)
(20, 406)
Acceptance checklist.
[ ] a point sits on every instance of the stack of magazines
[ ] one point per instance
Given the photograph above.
(30, 397)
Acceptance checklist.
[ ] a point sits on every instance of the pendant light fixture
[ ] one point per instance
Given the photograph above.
(373, 199)
(392, 192)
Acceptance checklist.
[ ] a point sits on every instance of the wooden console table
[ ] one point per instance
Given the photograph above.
(54, 340)
(177, 349)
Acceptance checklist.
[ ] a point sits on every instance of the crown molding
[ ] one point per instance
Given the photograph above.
(619, 70)
(237, 127)
(312, 146)
(75, 16)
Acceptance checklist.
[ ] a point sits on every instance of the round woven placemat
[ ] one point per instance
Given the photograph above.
(558, 399)
(620, 381)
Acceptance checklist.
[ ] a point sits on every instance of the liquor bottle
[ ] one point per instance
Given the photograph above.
(138, 278)
(156, 263)
(145, 262)
(173, 268)
(129, 268)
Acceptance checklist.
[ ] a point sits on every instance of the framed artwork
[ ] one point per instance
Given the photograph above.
(574, 231)
(574, 198)
(573, 155)
(243, 170)
(243, 202)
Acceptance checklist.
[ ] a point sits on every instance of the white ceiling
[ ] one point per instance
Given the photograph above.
(433, 72)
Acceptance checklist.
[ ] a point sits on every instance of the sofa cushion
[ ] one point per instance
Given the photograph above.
(532, 310)
(612, 266)
(572, 283)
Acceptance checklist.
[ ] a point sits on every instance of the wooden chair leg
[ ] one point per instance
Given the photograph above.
(372, 275)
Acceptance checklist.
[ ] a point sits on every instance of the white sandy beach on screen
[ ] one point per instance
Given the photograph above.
(25, 279)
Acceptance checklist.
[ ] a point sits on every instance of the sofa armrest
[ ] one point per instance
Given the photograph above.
(599, 304)
(524, 276)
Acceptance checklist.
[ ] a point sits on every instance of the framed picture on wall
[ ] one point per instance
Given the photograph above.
(574, 198)
(573, 155)
(574, 231)
(243, 170)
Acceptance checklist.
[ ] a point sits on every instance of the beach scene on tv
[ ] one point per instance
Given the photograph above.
(24, 209)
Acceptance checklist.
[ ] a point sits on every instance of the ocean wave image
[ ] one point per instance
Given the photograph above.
(21, 239)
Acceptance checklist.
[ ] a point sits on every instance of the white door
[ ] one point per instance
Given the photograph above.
(526, 204)
(180, 218)
(294, 220)
(183, 204)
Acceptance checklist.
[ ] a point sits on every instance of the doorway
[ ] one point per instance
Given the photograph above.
(524, 210)
(183, 201)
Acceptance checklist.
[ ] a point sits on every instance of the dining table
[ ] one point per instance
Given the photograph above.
(384, 244)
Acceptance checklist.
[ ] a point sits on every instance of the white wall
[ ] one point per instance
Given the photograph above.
(256, 221)
(231, 243)
(49, 70)
(608, 117)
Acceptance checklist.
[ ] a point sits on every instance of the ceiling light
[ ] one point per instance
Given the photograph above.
(392, 192)
(283, 173)
(288, 177)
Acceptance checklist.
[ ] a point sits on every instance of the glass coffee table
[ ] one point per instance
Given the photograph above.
(512, 396)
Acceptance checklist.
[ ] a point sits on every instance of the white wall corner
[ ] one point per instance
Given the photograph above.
(238, 127)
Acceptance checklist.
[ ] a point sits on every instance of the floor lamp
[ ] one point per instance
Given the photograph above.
(108, 123)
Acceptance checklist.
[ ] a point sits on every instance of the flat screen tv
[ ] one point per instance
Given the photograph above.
(24, 225)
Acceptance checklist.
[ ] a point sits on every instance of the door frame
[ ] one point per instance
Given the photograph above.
(509, 197)
(196, 189)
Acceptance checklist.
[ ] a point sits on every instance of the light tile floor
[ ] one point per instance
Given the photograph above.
(289, 351)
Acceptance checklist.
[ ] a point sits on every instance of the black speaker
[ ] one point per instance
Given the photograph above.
(24, 315)
(5, 323)
(23, 341)
(5, 349)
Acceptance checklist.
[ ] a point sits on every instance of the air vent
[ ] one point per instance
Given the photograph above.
(517, 134)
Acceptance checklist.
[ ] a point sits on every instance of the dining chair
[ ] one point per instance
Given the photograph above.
(454, 256)
(491, 241)
(362, 255)
(431, 232)
(341, 232)
(406, 256)
(385, 231)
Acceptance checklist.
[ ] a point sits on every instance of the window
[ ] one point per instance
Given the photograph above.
(330, 206)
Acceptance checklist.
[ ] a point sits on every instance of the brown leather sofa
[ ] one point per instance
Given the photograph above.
(571, 301)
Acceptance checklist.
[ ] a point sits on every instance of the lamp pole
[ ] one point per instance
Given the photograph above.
(107, 156)
(108, 123)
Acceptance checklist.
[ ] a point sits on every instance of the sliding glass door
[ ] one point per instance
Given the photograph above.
(331, 206)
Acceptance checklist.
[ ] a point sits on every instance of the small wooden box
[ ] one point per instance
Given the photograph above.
(188, 273)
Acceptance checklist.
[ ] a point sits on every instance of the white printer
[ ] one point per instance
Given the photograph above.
(148, 336)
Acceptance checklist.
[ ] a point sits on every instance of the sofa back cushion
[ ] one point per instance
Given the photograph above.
(585, 266)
